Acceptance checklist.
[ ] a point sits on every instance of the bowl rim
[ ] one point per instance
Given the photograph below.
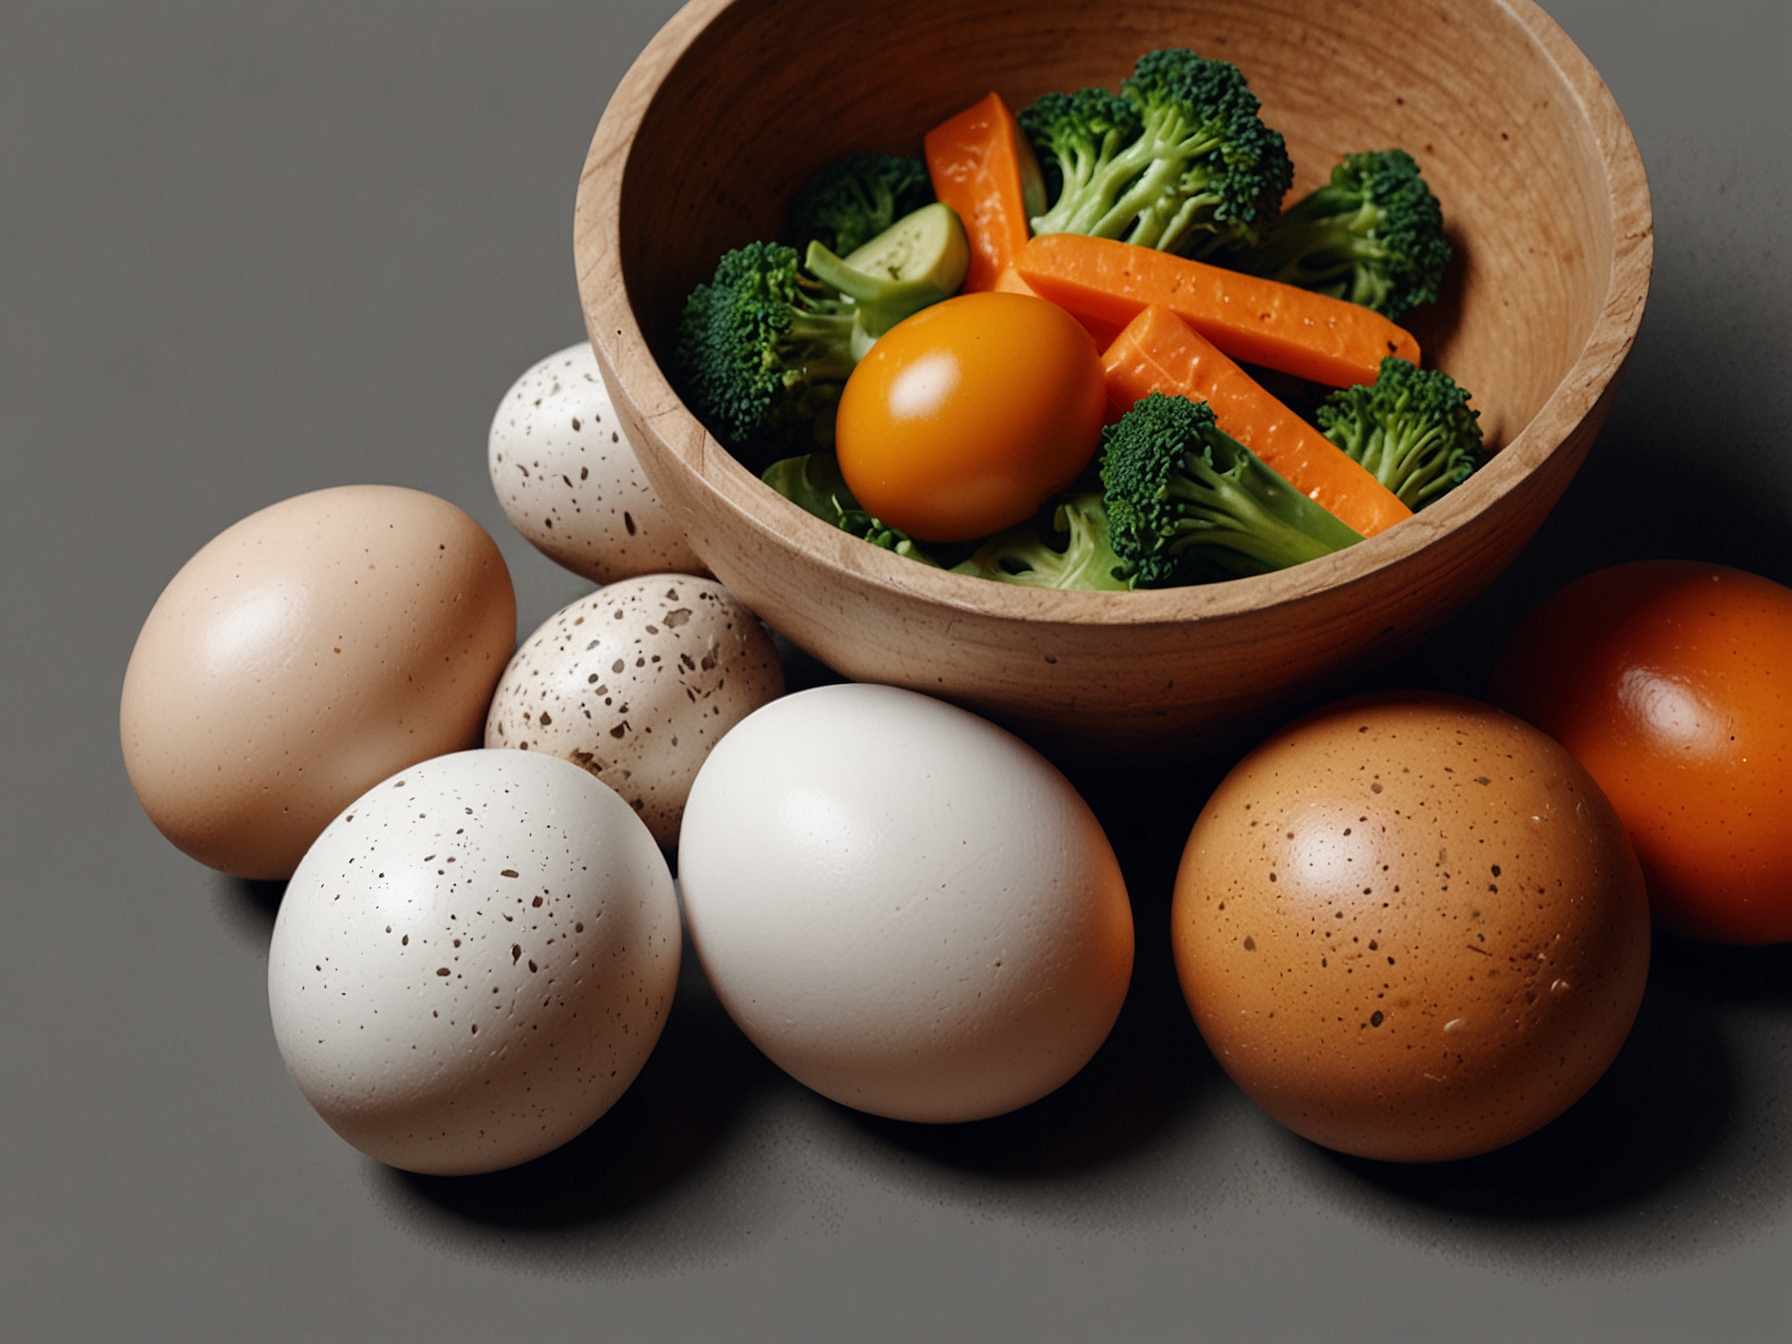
(644, 394)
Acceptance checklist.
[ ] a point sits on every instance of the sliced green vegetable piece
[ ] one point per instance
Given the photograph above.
(929, 244)
(919, 260)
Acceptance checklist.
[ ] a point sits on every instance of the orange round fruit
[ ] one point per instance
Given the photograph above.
(963, 419)
(1671, 681)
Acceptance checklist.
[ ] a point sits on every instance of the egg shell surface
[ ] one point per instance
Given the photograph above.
(1411, 927)
(302, 656)
(904, 906)
(568, 479)
(635, 683)
(474, 961)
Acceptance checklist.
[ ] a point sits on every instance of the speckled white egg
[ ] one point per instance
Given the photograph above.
(473, 961)
(905, 907)
(568, 479)
(635, 683)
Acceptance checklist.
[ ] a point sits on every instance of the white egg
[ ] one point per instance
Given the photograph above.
(905, 907)
(473, 961)
(568, 479)
(635, 683)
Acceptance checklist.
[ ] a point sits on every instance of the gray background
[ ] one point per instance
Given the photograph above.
(253, 250)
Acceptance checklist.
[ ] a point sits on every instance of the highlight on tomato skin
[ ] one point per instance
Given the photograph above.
(1671, 682)
(963, 419)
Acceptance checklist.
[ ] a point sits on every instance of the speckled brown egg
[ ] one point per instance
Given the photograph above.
(302, 656)
(568, 478)
(1411, 927)
(636, 682)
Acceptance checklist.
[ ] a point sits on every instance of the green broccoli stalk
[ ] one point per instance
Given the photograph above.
(881, 303)
(1373, 235)
(763, 350)
(814, 484)
(1072, 552)
(1188, 503)
(1412, 429)
(1077, 138)
(849, 203)
(1179, 161)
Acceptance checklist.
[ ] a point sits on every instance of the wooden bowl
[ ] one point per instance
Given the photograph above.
(736, 103)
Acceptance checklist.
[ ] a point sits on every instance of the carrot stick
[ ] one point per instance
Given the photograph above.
(1159, 352)
(1009, 282)
(1104, 331)
(1259, 321)
(979, 162)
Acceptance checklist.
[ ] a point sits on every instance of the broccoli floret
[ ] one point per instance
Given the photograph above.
(1179, 161)
(1071, 552)
(1077, 137)
(848, 204)
(1412, 428)
(1188, 503)
(764, 350)
(814, 484)
(867, 527)
(1373, 235)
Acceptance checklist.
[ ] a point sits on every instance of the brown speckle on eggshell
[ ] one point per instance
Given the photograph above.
(635, 683)
(568, 479)
(473, 963)
(1411, 927)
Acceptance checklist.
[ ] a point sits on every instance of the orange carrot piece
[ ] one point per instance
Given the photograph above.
(976, 163)
(1159, 352)
(1009, 282)
(1259, 321)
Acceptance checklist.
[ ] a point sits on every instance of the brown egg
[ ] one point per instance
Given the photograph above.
(304, 655)
(1411, 927)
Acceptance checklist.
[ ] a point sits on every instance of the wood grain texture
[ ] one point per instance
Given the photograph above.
(724, 116)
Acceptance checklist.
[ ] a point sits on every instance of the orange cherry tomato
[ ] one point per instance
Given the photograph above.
(963, 419)
(1671, 682)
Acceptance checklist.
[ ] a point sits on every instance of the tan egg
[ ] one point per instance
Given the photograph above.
(304, 655)
(568, 480)
(1411, 927)
(636, 683)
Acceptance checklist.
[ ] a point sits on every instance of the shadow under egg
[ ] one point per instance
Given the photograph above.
(1648, 1123)
(1154, 1070)
(680, 1111)
(249, 906)
(1680, 1148)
